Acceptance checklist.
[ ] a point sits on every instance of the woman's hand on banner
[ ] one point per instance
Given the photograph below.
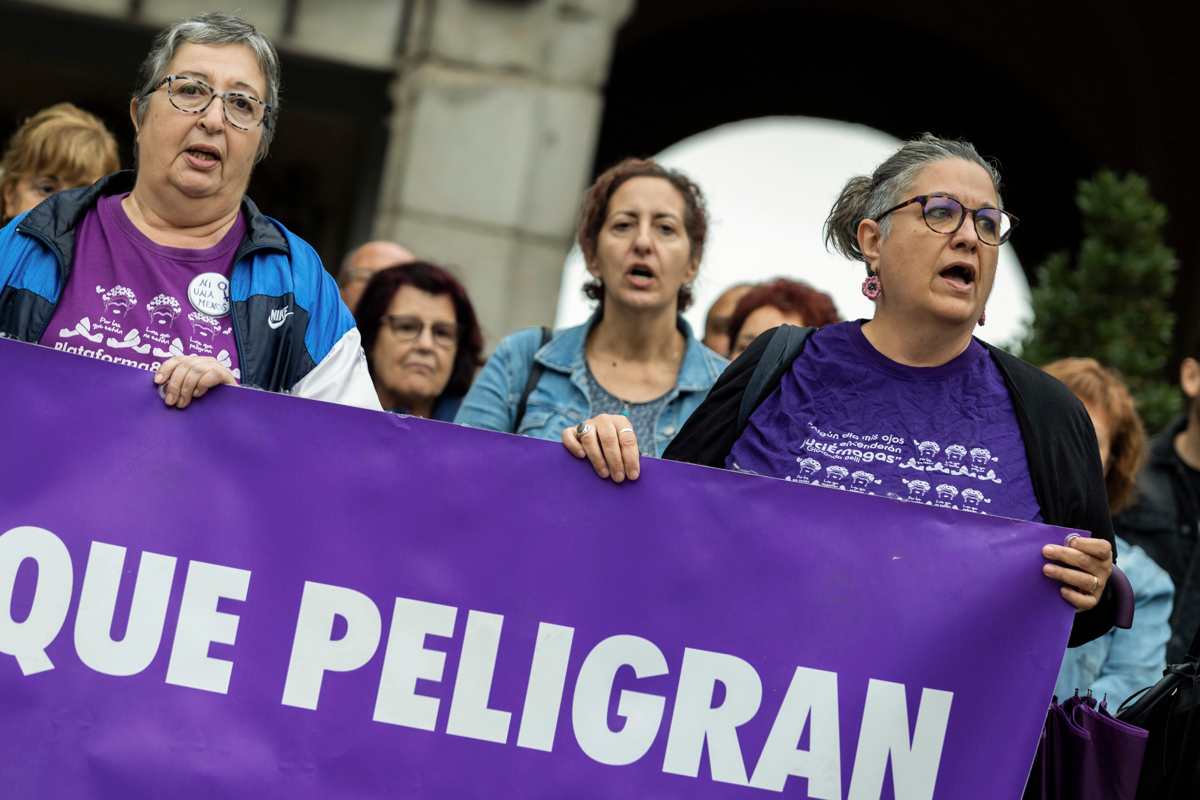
(183, 378)
(609, 442)
(1082, 566)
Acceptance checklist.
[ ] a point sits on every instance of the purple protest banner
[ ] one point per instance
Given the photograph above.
(314, 601)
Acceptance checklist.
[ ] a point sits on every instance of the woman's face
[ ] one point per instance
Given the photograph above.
(643, 254)
(760, 320)
(201, 155)
(412, 370)
(30, 190)
(923, 273)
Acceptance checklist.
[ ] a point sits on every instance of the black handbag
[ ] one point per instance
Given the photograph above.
(1170, 711)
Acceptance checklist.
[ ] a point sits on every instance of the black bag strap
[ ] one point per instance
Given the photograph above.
(1138, 707)
(535, 375)
(785, 344)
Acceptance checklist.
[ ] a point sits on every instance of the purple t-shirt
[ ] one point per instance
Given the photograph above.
(134, 302)
(847, 417)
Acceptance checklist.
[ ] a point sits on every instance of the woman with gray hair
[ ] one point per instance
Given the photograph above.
(909, 405)
(171, 268)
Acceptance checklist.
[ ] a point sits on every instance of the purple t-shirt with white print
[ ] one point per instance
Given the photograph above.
(131, 301)
(847, 417)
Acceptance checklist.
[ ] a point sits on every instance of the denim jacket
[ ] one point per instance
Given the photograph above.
(560, 398)
(1123, 661)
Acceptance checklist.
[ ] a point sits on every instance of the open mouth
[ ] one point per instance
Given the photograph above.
(203, 154)
(959, 274)
(641, 271)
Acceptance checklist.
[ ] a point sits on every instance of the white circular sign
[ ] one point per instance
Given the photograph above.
(209, 294)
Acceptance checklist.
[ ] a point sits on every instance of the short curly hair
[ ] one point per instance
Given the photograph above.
(815, 307)
(1103, 389)
(595, 211)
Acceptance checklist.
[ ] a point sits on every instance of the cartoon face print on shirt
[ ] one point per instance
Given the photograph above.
(954, 455)
(117, 301)
(834, 475)
(113, 319)
(163, 310)
(917, 490)
(927, 452)
(945, 495)
(980, 466)
(972, 499)
(862, 481)
(204, 332)
(808, 467)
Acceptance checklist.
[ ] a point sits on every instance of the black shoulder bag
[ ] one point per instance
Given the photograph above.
(535, 375)
(1170, 711)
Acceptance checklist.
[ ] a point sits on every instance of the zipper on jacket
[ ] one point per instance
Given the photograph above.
(237, 334)
(62, 272)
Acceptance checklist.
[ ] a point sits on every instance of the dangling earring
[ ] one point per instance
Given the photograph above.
(870, 286)
(982, 318)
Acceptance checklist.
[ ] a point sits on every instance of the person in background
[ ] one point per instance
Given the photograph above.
(60, 147)
(634, 372)
(171, 268)
(716, 322)
(1165, 520)
(422, 339)
(778, 302)
(1122, 661)
(364, 261)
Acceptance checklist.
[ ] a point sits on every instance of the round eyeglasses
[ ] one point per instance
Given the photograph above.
(408, 329)
(194, 96)
(944, 214)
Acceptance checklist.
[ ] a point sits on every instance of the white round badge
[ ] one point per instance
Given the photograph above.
(209, 294)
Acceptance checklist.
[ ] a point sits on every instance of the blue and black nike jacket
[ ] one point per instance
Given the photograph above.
(293, 332)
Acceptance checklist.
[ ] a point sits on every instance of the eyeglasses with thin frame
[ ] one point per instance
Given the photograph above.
(943, 214)
(408, 329)
(194, 96)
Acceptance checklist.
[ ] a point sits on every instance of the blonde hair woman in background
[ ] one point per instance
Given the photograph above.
(60, 147)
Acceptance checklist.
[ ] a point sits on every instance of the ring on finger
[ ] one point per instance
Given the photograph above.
(582, 429)
(1095, 583)
(625, 429)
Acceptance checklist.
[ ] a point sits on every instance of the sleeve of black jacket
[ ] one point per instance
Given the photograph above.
(710, 432)
(1065, 469)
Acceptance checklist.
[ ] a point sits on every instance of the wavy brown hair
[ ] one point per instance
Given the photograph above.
(595, 211)
(1103, 389)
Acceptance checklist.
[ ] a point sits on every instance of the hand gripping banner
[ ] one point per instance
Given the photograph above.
(268, 597)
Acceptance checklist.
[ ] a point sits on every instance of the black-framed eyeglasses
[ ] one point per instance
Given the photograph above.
(242, 111)
(944, 214)
(408, 329)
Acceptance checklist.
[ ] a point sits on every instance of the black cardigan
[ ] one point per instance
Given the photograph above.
(1060, 446)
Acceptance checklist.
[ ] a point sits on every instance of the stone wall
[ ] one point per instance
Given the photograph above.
(497, 108)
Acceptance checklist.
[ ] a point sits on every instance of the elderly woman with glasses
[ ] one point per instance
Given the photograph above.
(909, 400)
(171, 268)
(422, 339)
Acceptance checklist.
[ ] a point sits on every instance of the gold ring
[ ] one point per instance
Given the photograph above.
(1095, 583)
